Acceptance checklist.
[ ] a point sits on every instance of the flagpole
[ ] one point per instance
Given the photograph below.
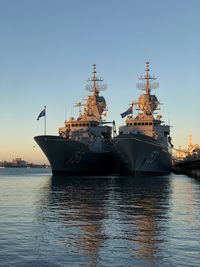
(45, 121)
(132, 110)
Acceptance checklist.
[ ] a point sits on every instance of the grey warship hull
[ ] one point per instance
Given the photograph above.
(139, 153)
(74, 158)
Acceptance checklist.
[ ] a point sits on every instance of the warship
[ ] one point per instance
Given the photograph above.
(143, 144)
(84, 145)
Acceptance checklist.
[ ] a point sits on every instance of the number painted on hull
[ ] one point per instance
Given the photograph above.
(152, 156)
(76, 157)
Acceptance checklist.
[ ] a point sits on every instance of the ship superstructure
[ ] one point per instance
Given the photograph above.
(84, 144)
(144, 143)
(89, 127)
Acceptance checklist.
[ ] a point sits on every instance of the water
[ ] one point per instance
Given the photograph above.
(51, 221)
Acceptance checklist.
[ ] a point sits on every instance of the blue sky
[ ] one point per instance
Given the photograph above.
(47, 49)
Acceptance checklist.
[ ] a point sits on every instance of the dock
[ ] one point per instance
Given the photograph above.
(189, 167)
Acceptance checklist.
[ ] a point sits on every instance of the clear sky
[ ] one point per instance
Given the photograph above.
(47, 48)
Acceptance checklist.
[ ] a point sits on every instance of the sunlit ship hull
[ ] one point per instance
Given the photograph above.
(142, 154)
(74, 158)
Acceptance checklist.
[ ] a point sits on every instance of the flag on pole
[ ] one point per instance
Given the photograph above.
(129, 111)
(42, 113)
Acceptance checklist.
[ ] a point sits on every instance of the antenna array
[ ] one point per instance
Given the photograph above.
(152, 85)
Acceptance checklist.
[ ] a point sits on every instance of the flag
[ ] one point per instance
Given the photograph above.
(129, 111)
(42, 113)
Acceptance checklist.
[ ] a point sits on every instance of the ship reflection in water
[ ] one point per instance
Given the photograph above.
(109, 222)
(88, 221)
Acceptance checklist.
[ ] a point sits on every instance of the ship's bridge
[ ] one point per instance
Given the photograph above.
(147, 125)
(75, 125)
(72, 124)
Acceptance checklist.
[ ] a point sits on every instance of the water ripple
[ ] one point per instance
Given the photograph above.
(126, 221)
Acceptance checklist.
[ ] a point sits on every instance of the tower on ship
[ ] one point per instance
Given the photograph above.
(145, 121)
(93, 108)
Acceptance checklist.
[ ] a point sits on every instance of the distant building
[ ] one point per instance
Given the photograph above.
(185, 152)
(18, 162)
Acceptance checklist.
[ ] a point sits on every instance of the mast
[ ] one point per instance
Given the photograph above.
(147, 102)
(95, 104)
(94, 79)
(148, 77)
(95, 88)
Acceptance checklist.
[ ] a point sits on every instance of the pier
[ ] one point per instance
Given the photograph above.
(190, 167)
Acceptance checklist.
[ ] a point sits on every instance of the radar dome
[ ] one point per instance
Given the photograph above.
(148, 103)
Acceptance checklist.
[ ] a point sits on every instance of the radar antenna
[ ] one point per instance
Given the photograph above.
(148, 85)
(95, 87)
(79, 105)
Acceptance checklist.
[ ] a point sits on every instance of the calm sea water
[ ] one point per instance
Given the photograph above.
(126, 221)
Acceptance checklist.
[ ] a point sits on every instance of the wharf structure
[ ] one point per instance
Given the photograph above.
(187, 161)
(190, 167)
